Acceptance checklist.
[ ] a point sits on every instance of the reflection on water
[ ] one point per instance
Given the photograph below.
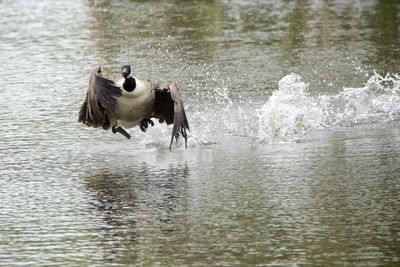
(137, 208)
(282, 168)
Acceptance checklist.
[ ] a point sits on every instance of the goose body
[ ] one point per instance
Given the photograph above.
(133, 106)
(130, 102)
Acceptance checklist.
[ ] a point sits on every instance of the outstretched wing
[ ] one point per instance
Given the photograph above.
(168, 108)
(100, 101)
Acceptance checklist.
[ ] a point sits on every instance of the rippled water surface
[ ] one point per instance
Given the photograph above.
(294, 149)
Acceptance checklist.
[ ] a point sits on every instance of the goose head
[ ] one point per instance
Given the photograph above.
(130, 82)
(126, 71)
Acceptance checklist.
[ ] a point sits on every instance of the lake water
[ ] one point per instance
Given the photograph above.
(293, 156)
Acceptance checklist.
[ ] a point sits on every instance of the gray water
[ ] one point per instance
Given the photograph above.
(294, 149)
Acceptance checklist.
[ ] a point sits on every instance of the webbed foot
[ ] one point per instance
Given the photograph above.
(121, 130)
(144, 124)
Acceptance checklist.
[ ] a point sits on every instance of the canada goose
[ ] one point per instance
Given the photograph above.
(130, 102)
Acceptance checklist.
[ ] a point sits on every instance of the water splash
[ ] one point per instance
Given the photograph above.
(291, 111)
(287, 115)
(375, 103)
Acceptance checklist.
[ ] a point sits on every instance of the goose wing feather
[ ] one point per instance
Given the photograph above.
(168, 108)
(100, 100)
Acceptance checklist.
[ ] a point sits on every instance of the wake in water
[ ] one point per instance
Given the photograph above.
(289, 113)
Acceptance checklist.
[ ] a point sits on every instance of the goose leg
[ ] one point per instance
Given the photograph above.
(120, 130)
(144, 124)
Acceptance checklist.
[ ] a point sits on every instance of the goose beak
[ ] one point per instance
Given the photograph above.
(125, 73)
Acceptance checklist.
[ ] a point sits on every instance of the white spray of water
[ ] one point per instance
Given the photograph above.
(291, 111)
(286, 116)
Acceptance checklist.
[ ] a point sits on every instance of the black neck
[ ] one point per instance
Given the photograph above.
(129, 84)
